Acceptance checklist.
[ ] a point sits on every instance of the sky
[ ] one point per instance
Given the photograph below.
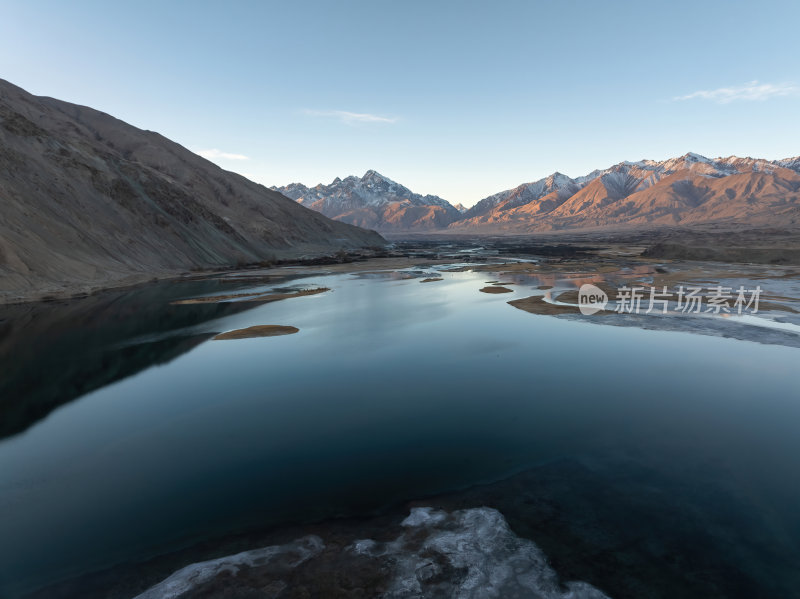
(456, 99)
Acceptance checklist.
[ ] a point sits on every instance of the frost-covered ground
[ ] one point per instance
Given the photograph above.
(464, 554)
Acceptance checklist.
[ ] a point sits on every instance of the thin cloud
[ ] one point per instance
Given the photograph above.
(753, 91)
(217, 154)
(351, 118)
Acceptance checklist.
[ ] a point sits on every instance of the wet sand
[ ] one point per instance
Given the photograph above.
(249, 297)
(263, 330)
(536, 304)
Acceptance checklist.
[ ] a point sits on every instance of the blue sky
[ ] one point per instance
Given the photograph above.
(458, 99)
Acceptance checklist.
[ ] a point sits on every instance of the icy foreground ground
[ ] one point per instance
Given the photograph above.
(466, 554)
(194, 576)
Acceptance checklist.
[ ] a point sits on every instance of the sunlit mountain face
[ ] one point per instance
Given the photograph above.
(375, 202)
(687, 190)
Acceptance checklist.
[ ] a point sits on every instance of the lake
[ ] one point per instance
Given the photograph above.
(129, 432)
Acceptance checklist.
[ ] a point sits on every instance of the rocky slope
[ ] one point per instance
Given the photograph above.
(375, 202)
(680, 191)
(89, 201)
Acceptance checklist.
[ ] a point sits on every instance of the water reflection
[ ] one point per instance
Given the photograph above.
(391, 390)
(54, 352)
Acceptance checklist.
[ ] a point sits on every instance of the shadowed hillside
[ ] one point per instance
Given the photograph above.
(89, 201)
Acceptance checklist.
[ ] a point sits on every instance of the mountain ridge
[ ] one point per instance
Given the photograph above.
(683, 190)
(90, 201)
(374, 201)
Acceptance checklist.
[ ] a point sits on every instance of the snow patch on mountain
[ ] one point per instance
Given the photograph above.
(373, 189)
(520, 208)
(374, 201)
(525, 193)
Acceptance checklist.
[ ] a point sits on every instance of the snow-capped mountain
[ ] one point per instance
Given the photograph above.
(558, 184)
(684, 190)
(375, 202)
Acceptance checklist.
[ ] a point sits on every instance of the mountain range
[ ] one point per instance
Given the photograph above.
(89, 201)
(687, 190)
(375, 202)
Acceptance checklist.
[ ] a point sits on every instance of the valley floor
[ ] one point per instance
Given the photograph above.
(591, 517)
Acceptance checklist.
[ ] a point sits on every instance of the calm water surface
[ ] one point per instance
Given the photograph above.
(392, 390)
